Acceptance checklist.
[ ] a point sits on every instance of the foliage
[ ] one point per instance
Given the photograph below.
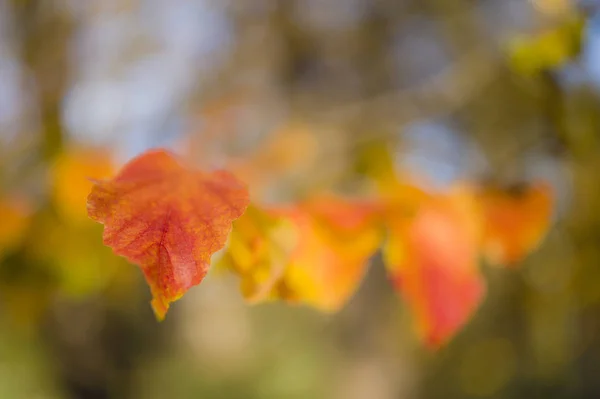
(380, 178)
(170, 220)
(167, 219)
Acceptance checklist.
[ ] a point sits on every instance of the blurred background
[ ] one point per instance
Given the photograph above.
(292, 94)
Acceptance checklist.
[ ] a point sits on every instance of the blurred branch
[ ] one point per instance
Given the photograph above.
(44, 34)
(440, 95)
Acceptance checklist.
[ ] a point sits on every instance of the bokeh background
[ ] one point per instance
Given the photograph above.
(294, 93)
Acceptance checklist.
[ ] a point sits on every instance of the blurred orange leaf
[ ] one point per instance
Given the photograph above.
(435, 240)
(314, 252)
(336, 238)
(515, 221)
(168, 219)
(70, 177)
(432, 260)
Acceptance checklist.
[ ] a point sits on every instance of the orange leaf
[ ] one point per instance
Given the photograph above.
(432, 260)
(336, 239)
(515, 221)
(168, 219)
(71, 184)
(314, 252)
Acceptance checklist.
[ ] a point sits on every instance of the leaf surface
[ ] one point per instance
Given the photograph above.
(259, 250)
(168, 219)
(515, 221)
(70, 173)
(432, 258)
(337, 237)
(313, 252)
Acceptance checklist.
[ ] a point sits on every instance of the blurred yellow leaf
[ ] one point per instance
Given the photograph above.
(258, 251)
(549, 49)
(71, 174)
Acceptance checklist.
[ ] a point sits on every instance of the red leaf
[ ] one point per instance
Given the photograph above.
(168, 219)
(432, 259)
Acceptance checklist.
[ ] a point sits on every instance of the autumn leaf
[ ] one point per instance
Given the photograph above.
(515, 220)
(432, 247)
(259, 250)
(550, 49)
(436, 239)
(435, 242)
(168, 219)
(337, 237)
(70, 179)
(313, 252)
(432, 258)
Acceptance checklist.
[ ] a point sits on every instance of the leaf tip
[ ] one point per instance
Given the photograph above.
(160, 309)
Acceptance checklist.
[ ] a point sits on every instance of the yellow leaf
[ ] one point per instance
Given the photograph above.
(547, 50)
(258, 251)
(71, 174)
